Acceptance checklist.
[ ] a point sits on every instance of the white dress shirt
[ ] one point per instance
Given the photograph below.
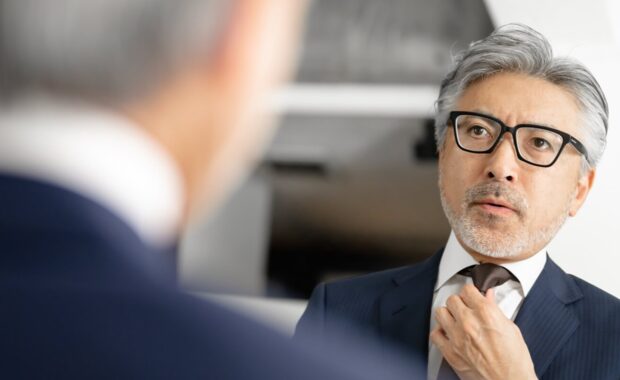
(508, 296)
(98, 154)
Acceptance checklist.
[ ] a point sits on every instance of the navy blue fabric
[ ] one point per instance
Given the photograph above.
(81, 296)
(572, 328)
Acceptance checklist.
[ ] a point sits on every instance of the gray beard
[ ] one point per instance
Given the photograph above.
(475, 234)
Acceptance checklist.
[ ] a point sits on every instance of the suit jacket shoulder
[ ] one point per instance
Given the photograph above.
(593, 349)
(83, 297)
(607, 306)
(572, 328)
(355, 302)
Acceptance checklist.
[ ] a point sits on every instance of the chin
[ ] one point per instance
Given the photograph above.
(497, 236)
(497, 248)
(492, 241)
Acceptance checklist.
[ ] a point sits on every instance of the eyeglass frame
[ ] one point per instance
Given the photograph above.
(566, 138)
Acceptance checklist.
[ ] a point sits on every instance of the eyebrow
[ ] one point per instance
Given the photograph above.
(486, 113)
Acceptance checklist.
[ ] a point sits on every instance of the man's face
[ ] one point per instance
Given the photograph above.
(498, 206)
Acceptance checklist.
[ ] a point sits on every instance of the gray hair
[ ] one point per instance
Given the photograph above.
(520, 49)
(106, 49)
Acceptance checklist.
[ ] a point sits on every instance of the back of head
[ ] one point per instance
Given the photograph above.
(108, 50)
(178, 69)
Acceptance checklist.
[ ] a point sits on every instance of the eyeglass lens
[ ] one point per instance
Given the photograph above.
(536, 145)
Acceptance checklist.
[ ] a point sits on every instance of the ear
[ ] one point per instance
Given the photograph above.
(584, 184)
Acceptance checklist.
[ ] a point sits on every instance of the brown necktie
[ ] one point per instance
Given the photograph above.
(485, 277)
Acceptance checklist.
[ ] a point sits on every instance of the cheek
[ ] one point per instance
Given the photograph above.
(548, 197)
(456, 177)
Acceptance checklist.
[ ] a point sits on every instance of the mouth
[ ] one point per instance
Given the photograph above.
(496, 207)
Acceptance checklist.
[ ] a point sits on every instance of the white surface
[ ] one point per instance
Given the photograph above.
(374, 100)
(589, 244)
(280, 314)
(229, 248)
(575, 22)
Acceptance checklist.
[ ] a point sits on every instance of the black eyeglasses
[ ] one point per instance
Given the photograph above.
(535, 144)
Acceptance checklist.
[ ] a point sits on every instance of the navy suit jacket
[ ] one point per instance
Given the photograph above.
(572, 329)
(81, 296)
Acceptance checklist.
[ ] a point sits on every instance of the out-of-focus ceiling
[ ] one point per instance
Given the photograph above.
(388, 41)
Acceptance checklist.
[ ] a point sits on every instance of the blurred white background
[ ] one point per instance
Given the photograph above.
(589, 244)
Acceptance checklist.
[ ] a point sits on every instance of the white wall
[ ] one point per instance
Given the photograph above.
(227, 250)
(589, 244)
(280, 314)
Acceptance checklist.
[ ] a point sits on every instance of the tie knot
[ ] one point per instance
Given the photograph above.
(487, 275)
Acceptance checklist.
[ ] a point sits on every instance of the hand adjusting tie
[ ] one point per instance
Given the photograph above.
(485, 277)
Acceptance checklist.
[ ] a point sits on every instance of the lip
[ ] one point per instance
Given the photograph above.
(496, 206)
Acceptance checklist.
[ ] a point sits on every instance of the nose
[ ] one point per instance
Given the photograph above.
(503, 161)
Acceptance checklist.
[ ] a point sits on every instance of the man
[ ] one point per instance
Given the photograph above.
(120, 120)
(519, 135)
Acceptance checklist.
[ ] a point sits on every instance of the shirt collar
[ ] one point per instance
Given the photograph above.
(98, 154)
(455, 258)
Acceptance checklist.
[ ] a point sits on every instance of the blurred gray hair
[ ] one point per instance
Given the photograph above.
(520, 49)
(106, 49)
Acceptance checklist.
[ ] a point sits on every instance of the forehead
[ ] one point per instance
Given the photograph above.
(522, 99)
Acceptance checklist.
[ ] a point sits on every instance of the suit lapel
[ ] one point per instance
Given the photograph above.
(404, 312)
(545, 320)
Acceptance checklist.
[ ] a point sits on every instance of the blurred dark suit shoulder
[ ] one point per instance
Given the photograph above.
(353, 299)
(83, 297)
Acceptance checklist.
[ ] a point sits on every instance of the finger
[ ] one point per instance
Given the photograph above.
(440, 339)
(448, 351)
(472, 297)
(456, 306)
(445, 320)
(490, 296)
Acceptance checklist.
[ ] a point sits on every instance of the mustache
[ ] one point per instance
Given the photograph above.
(498, 191)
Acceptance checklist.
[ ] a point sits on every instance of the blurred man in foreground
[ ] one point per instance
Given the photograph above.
(519, 134)
(119, 121)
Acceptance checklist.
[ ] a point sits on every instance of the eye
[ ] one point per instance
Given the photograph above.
(540, 143)
(477, 131)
